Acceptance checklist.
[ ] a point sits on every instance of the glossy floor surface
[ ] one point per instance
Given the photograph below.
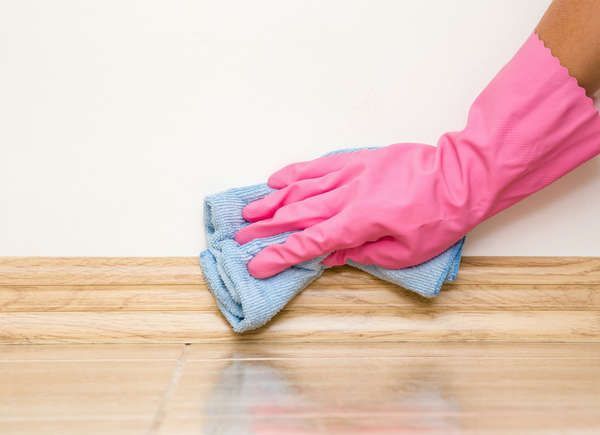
(137, 346)
(302, 388)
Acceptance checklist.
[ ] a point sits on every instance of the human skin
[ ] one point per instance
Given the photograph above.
(571, 29)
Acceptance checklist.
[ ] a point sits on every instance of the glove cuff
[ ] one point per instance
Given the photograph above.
(531, 125)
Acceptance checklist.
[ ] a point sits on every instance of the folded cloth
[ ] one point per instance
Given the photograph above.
(247, 302)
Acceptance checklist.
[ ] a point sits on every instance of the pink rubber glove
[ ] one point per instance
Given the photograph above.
(403, 204)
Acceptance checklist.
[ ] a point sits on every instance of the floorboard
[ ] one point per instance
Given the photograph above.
(277, 388)
(137, 346)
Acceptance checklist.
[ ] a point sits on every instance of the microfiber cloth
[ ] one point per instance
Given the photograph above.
(247, 302)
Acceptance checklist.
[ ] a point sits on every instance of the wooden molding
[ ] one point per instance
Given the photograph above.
(88, 300)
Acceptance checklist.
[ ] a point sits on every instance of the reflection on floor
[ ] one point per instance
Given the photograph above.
(295, 388)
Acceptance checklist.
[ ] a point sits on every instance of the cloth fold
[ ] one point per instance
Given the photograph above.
(248, 303)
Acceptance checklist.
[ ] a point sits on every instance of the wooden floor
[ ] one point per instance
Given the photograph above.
(136, 346)
(266, 388)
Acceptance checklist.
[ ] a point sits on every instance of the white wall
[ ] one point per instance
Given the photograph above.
(118, 116)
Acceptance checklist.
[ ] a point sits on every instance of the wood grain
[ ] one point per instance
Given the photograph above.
(108, 353)
(190, 327)
(153, 297)
(91, 389)
(294, 387)
(185, 270)
(513, 346)
(293, 350)
(165, 300)
(304, 388)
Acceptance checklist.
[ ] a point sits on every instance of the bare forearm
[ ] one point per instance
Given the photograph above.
(571, 29)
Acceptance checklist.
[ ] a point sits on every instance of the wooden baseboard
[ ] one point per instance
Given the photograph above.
(100, 300)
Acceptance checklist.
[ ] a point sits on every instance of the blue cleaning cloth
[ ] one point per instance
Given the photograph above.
(248, 303)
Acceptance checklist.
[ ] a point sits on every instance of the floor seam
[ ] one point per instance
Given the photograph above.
(168, 393)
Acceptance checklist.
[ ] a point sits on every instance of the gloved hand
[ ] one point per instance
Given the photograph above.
(379, 196)
(403, 204)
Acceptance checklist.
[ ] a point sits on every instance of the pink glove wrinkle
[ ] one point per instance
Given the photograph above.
(400, 205)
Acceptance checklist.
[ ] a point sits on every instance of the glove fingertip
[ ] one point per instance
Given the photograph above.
(275, 181)
(261, 268)
(242, 236)
(251, 212)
